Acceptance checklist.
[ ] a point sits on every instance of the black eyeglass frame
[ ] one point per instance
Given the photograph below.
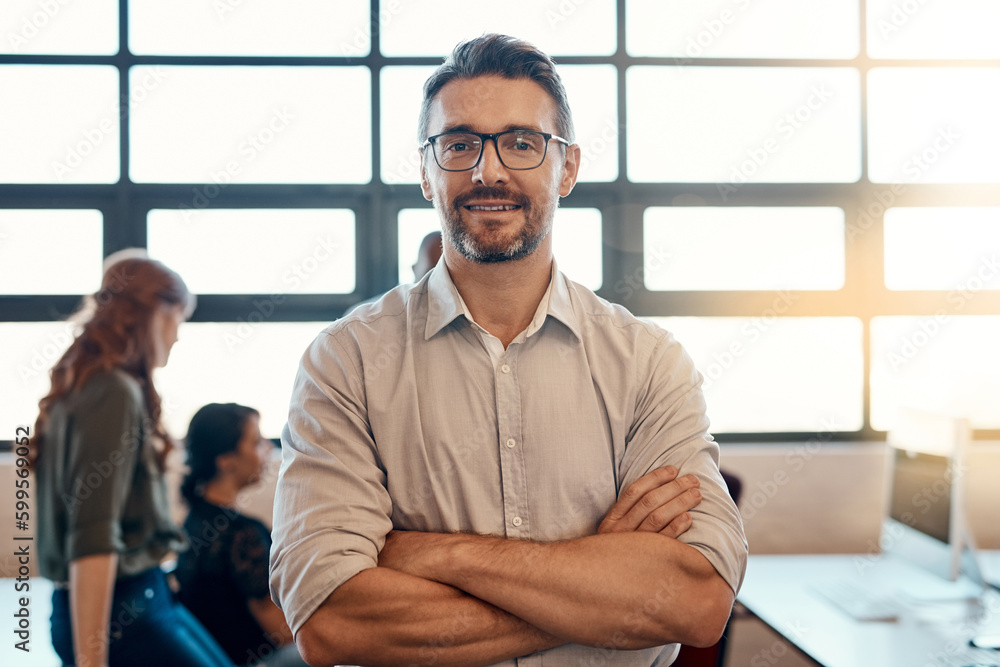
(483, 136)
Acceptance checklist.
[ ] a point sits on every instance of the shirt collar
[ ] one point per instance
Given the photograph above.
(444, 303)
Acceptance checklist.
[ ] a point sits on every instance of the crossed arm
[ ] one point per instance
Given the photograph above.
(458, 599)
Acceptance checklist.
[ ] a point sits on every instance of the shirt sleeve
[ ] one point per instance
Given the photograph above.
(332, 508)
(671, 428)
(104, 439)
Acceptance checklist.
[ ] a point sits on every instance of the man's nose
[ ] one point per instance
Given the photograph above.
(490, 169)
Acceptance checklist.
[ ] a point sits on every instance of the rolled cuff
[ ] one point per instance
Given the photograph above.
(299, 595)
(100, 537)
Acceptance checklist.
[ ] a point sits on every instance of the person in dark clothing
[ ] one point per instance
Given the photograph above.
(223, 575)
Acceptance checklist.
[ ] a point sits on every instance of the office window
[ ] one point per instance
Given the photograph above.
(250, 125)
(742, 162)
(432, 27)
(285, 28)
(940, 362)
(957, 29)
(934, 125)
(689, 29)
(943, 248)
(249, 361)
(770, 373)
(257, 251)
(50, 251)
(30, 349)
(731, 126)
(736, 248)
(48, 28)
(62, 125)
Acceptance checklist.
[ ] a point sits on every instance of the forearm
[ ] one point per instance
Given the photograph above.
(91, 586)
(385, 617)
(627, 590)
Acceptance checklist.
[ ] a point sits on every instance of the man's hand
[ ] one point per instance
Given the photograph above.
(657, 502)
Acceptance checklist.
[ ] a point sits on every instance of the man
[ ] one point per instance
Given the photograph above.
(494, 463)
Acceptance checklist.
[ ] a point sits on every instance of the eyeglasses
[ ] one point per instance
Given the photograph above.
(517, 149)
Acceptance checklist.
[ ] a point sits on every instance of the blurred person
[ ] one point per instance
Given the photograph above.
(495, 463)
(223, 575)
(99, 456)
(427, 255)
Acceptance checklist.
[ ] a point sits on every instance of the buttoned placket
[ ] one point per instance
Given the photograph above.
(514, 479)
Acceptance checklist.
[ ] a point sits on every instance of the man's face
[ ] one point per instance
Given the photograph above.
(491, 213)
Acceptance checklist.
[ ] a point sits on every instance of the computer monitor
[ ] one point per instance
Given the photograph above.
(924, 519)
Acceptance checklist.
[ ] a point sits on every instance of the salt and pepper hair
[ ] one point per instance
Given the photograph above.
(504, 56)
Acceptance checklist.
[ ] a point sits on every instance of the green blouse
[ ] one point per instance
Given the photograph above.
(101, 489)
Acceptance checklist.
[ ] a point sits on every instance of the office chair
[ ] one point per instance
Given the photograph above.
(715, 655)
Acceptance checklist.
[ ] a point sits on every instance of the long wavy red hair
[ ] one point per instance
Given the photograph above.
(116, 334)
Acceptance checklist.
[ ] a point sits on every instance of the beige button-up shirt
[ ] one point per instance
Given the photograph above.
(400, 418)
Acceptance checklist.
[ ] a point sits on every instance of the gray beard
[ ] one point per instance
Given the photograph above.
(486, 250)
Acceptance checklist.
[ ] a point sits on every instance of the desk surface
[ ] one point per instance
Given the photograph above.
(936, 618)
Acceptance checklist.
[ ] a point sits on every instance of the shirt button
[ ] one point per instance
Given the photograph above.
(517, 521)
(505, 368)
(511, 443)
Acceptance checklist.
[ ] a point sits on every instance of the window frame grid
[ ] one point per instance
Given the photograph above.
(125, 205)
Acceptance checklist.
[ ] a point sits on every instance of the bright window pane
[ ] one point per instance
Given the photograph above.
(30, 349)
(591, 90)
(257, 251)
(942, 363)
(50, 251)
(942, 249)
(402, 92)
(768, 373)
(224, 125)
(593, 95)
(688, 29)
(61, 125)
(555, 28)
(576, 242)
(920, 29)
(412, 226)
(81, 27)
(731, 126)
(259, 28)
(934, 125)
(249, 363)
(753, 248)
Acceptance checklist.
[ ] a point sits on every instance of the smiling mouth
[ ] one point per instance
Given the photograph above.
(504, 207)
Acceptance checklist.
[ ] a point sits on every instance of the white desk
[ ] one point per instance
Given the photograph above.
(934, 626)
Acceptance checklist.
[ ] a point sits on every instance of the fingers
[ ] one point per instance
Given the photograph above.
(632, 495)
(678, 526)
(656, 502)
(670, 502)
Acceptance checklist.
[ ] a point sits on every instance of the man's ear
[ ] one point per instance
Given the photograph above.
(571, 169)
(425, 186)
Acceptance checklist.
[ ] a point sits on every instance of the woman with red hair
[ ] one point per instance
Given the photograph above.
(99, 457)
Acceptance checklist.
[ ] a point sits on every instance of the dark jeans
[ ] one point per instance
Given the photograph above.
(148, 627)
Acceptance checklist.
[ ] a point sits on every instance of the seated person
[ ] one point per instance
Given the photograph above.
(223, 575)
